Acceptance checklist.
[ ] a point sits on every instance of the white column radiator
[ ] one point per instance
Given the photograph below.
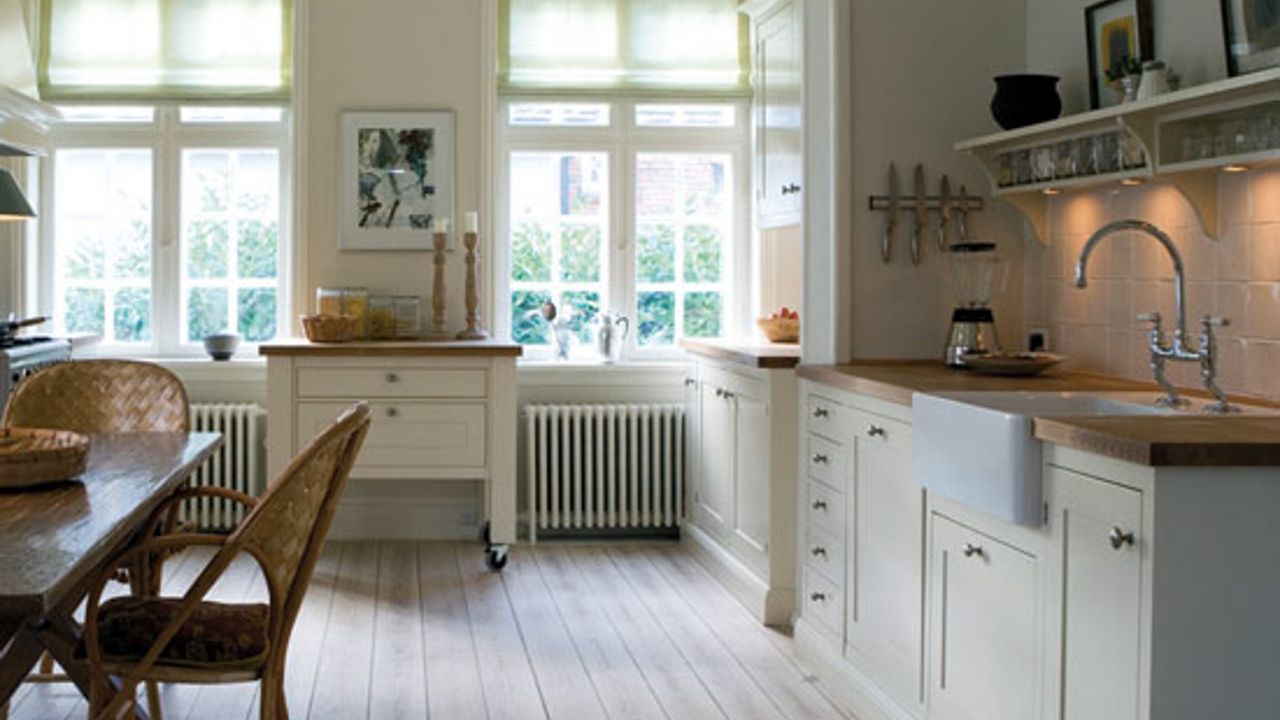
(603, 468)
(239, 464)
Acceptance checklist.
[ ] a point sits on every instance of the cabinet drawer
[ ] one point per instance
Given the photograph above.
(824, 553)
(893, 434)
(822, 601)
(825, 461)
(824, 509)
(345, 382)
(822, 417)
(408, 435)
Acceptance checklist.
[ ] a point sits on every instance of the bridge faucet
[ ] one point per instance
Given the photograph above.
(1161, 351)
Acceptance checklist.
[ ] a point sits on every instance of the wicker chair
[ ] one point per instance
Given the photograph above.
(101, 396)
(189, 640)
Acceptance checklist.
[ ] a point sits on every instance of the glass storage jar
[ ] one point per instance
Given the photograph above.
(382, 317)
(407, 314)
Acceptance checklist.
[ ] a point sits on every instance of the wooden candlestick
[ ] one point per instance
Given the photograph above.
(473, 330)
(437, 292)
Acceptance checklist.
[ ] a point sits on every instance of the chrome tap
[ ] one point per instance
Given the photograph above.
(1161, 352)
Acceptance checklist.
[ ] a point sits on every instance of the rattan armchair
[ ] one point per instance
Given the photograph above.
(145, 638)
(101, 396)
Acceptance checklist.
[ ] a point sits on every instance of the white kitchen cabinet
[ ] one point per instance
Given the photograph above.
(777, 111)
(885, 604)
(1095, 595)
(743, 505)
(984, 651)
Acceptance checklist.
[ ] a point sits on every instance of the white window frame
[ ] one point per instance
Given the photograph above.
(167, 137)
(621, 141)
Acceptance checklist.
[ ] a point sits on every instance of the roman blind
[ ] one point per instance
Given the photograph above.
(697, 47)
(165, 49)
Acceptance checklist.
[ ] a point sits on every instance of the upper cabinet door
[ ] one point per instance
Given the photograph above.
(777, 110)
(1095, 596)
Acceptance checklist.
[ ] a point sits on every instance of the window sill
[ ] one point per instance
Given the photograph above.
(588, 372)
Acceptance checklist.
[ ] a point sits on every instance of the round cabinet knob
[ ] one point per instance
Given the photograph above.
(728, 394)
(1119, 538)
(820, 459)
(392, 412)
(818, 597)
(876, 431)
(819, 505)
(970, 550)
(820, 412)
(818, 551)
(393, 378)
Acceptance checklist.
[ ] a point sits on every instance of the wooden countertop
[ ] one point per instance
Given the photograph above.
(394, 348)
(1159, 441)
(768, 356)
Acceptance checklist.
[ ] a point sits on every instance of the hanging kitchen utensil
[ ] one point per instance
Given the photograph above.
(944, 212)
(891, 225)
(922, 211)
(962, 214)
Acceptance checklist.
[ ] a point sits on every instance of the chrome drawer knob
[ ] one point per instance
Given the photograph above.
(818, 551)
(392, 412)
(820, 459)
(1119, 538)
(818, 597)
(970, 550)
(819, 505)
(876, 431)
(393, 378)
(820, 412)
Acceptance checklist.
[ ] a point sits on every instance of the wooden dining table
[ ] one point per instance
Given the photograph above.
(55, 539)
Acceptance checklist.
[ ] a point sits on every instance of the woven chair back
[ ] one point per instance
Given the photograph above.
(101, 396)
(287, 527)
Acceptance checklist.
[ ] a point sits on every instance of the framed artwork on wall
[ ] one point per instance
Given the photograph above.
(1251, 33)
(395, 179)
(1117, 31)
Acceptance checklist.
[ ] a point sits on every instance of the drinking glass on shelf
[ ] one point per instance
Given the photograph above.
(1043, 163)
(1021, 167)
(1087, 159)
(1068, 158)
(1106, 148)
(1006, 176)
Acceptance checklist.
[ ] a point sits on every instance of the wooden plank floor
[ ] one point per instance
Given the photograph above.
(402, 630)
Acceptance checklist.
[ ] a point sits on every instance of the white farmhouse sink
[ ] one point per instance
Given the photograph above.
(977, 448)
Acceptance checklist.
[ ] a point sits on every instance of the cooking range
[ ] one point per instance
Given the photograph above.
(22, 356)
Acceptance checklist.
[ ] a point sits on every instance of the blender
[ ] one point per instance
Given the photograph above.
(978, 273)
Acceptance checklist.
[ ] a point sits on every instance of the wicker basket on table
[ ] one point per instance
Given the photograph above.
(329, 328)
(31, 457)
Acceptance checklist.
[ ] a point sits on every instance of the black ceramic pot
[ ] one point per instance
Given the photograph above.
(1022, 100)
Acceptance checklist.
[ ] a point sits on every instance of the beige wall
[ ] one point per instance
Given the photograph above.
(382, 55)
(1236, 276)
(922, 81)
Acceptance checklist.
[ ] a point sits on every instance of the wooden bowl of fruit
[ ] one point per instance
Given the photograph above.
(782, 326)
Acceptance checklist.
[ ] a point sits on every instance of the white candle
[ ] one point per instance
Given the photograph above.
(471, 223)
(440, 225)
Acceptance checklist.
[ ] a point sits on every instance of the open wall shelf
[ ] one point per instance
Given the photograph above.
(1186, 137)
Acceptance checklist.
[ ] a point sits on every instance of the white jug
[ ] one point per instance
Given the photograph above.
(608, 337)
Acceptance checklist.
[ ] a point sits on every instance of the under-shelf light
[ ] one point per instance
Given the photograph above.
(1131, 182)
(1051, 191)
(1236, 168)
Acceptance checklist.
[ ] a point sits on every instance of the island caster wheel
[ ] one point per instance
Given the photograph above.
(486, 535)
(496, 558)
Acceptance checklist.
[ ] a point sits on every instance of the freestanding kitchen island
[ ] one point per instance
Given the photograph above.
(441, 411)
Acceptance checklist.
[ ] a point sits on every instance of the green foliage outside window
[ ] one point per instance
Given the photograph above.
(656, 254)
(580, 253)
(133, 251)
(581, 309)
(206, 312)
(702, 314)
(87, 259)
(701, 254)
(132, 319)
(527, 324)
(257, 314)
(86, 310)
(656, 318)
(207, 244)
(531, 254)
(257, 249)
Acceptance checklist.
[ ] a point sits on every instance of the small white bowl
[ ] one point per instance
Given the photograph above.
(222, 347)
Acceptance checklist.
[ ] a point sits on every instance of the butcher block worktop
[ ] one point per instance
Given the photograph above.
(394, 348)
(1189, 441)
(764, 355)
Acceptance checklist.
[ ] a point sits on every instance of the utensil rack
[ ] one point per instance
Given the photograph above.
(907, 203)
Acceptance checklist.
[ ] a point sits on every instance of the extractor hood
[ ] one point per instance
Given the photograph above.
(24, 119)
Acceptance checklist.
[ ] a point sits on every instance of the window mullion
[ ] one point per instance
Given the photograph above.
(167, 238)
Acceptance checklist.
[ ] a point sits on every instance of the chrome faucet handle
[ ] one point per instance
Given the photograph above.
(1209, 365)
(1151, 317)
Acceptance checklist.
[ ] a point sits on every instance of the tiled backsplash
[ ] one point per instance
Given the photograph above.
(1236, 276)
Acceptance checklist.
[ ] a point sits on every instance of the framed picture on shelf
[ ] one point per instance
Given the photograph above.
(1251, 33)
(395, 179)
(1118, 31)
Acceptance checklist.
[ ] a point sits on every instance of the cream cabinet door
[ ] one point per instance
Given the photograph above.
(1095, 596)
(713, 499)
(885, 622)
(692, 438)
(405, 437)
(984, 627)
(751, 481)
(778, 117)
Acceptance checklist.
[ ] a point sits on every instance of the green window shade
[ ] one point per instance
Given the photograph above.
(696, 47)
(165, 49)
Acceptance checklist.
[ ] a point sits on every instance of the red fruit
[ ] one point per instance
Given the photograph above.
(773, 316)
(786, 312)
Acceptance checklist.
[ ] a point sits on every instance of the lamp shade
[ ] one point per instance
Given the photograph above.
(13, 206)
